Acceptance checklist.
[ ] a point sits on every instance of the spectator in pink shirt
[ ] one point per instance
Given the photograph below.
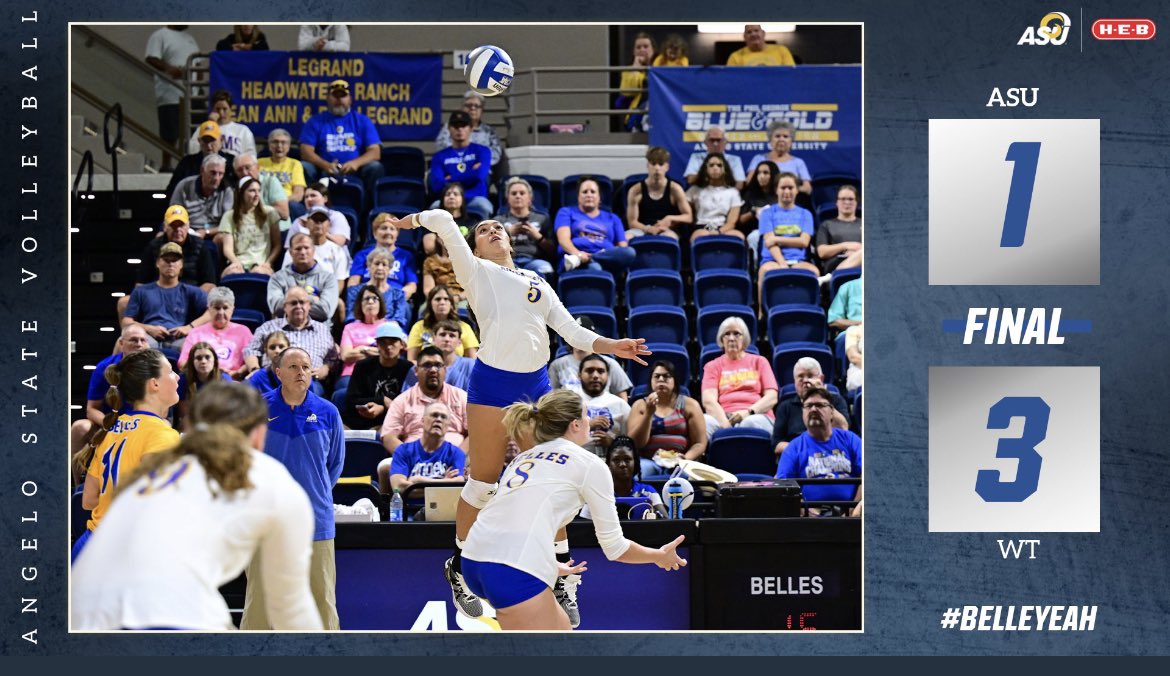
(404, 420)
(227, 338)
(739, 389)
(357, 338)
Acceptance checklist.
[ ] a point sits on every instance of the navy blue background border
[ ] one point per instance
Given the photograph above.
(922, 60)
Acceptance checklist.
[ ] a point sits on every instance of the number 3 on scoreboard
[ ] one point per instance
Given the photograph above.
(1035, 413)
(1026, 155)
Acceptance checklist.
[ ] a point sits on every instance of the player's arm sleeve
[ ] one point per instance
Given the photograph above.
(563, 323)
(598, 494)
(465, 264)
(285, 551)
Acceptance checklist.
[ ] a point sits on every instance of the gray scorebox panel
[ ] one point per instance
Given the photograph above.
(1068, 493)
(969, 186)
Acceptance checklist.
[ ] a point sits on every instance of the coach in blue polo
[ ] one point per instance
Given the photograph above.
(304, 433)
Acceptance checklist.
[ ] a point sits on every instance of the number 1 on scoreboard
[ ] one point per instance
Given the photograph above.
(1026, 155)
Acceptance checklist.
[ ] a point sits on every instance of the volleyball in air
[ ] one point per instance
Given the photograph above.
(488, 70)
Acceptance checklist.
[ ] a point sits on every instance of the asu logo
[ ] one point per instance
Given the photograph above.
(1053, 30)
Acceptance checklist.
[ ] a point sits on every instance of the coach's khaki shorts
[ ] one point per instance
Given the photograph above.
(322, 583)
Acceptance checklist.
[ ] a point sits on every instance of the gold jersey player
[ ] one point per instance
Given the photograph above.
(515, 308)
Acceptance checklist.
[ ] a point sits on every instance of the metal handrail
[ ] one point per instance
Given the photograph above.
(146, 134)
(85, 167)
(113, 146)
(536, 92)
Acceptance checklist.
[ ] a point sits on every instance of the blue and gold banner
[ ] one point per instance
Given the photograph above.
(399, 92)
(823, 103)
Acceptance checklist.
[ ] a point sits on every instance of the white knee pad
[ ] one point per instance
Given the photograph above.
(477, 493)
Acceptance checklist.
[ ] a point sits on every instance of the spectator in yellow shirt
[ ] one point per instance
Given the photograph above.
(757, 51)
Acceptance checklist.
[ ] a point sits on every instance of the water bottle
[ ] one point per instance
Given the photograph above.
(396, 506)
(674, 498)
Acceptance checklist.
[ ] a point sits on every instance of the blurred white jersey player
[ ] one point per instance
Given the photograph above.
(190, 521)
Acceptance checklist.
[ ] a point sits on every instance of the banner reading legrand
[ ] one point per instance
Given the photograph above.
(823, 103)
(271, 90)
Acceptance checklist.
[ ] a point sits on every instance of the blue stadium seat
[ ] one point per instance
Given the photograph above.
(796, 323)
(351, 217)
(791, 287)
(786, 355)
(839, 278)
(404, 162)
(653, 287)
(587, 287)
(676, 354)
(717, 252)
(541, 193)
(722, 287)
(621, 194)
(742, 450)
(362, 457)
(712, 316)
(251, 292)
(839, 352)
(709, 352)
(604, 321)
(787, 391)
(396, 190)
(824, 187)
(659, 324)
(569, 190)
(347, 194)
(655, 251)
(248, 317)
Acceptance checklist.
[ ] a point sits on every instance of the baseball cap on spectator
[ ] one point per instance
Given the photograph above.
(170, 249)
(209, 128)
(177, 212)
(319, 210)
(459, 118)
(390, 330)
(586, 322)
(339, 85)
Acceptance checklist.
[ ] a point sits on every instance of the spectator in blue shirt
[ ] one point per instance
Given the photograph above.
(822, 452)
(428, 458)
(341, 141)
(590, 237)
(402, 274)
(465, 163)
(167, 308)
(305, 434)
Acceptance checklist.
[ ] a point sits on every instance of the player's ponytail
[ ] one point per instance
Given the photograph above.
(127, 380)
(545, 420)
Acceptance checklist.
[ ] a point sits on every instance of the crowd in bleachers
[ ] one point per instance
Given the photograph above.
(745, 283)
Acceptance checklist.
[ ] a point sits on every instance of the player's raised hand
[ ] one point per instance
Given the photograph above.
(670, 560)
(408, 222)
(631, 348)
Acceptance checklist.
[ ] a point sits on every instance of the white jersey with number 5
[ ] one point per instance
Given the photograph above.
(167, 545)
(513, 307)
(541, 491)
